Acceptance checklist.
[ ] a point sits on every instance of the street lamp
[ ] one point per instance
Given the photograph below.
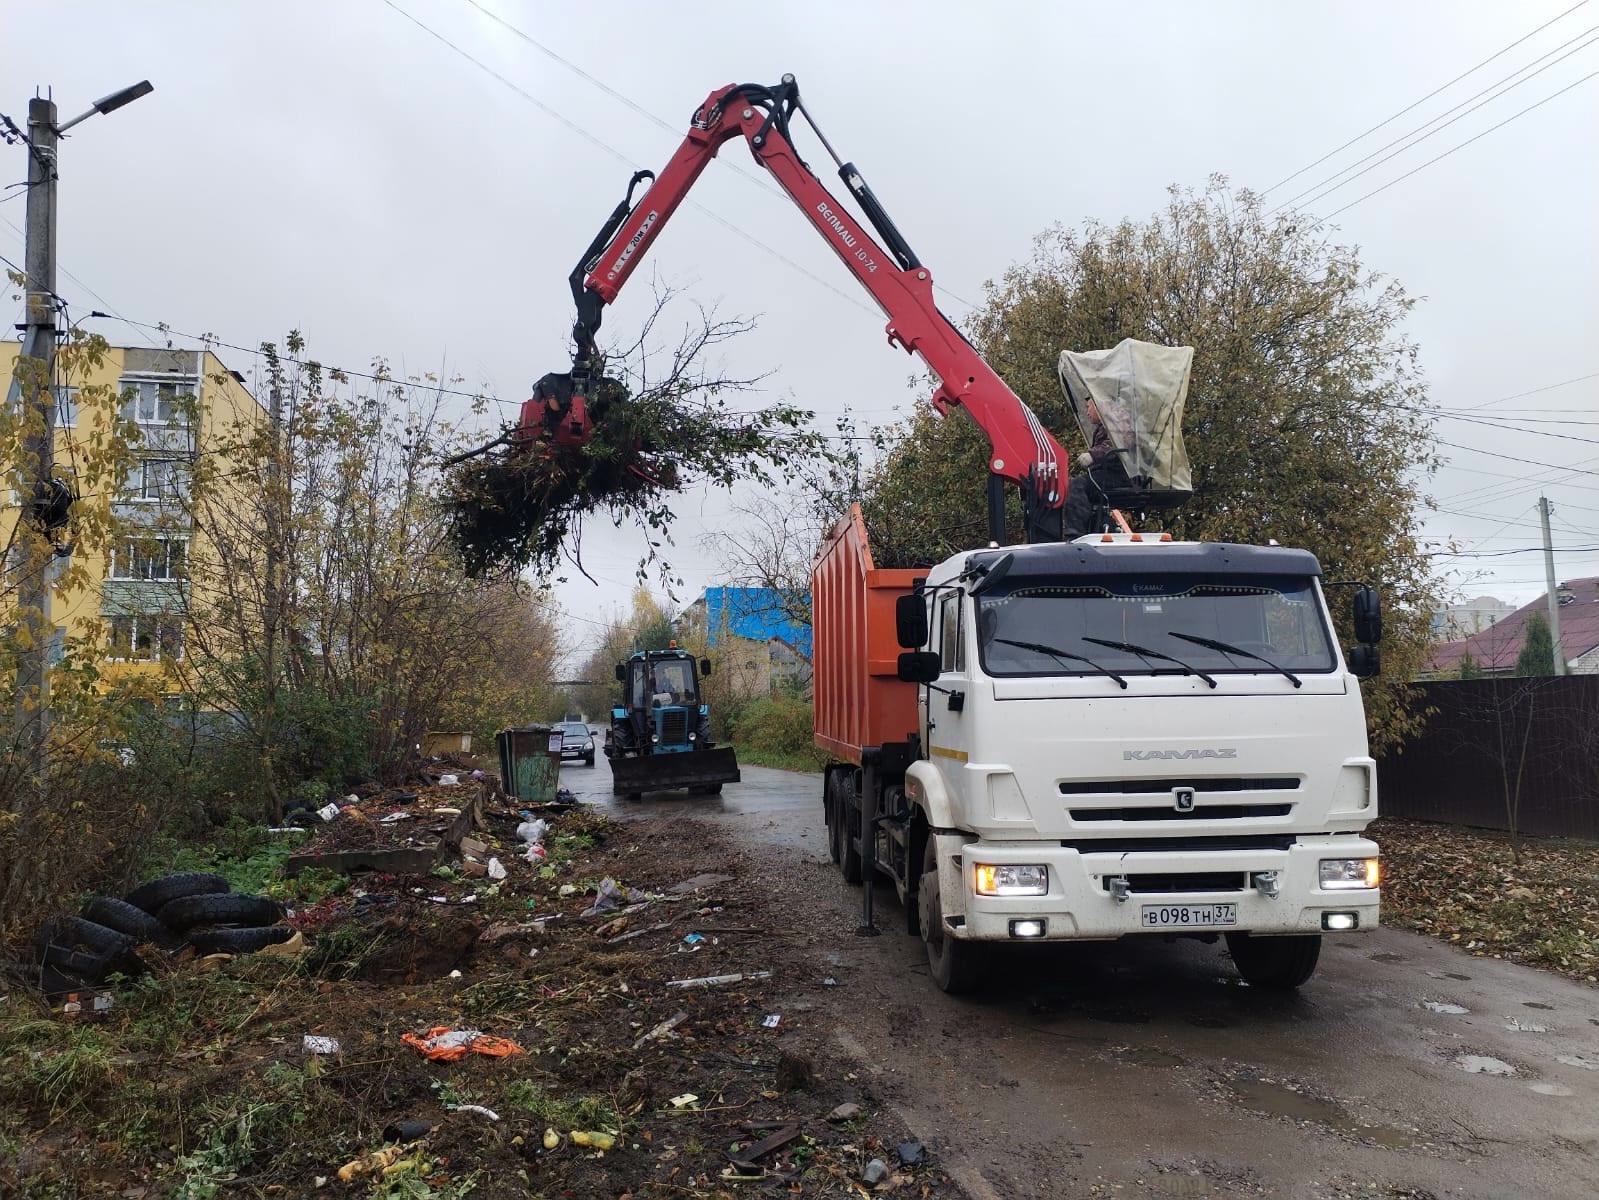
(109, 104)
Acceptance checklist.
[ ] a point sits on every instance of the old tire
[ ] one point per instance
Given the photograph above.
(151, 896)
(849, 829)
(238, 941)
(956, 966)
(187, 912)
(85, 950)
(129, 919)
(1275, 963)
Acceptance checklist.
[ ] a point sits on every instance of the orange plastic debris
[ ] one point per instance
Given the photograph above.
(443, 1044)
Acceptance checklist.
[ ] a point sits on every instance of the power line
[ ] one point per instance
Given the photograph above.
(1513, 427)
(1321, 194)
(79, 282)
(1512, 458)
(1460, 146)
(1548, 387)
(623, 158)
(653, 118)
(1427, 97)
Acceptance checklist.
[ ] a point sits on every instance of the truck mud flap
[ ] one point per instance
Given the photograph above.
(673, 772)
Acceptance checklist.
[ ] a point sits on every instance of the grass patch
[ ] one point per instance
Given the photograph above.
(561, 1113)
(251, 860)
(808, 760)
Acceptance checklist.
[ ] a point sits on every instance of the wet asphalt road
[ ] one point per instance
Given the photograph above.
(1404, 1068)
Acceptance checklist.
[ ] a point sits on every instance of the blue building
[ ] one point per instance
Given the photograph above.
(754, 631)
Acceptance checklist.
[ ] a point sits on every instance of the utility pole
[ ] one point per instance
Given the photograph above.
(39, 344)
(45, 510)
(1549, 580)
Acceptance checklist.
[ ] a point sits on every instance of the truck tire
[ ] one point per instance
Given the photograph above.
(152, 895)
(188, 912)
(129, 919)
(1275, 963)
(238, 941)
(830, 814)
(849, 829)
(956, 966)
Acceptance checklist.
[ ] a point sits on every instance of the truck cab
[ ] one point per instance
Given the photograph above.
(1127, 735)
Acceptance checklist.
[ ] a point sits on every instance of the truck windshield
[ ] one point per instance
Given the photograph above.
(1276, 618)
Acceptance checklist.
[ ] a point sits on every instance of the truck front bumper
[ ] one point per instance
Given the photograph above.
(1083, 888)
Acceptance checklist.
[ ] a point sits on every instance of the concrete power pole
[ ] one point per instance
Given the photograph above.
(39, 344)
(1549, 580)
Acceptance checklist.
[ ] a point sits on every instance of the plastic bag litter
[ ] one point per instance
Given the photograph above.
(496, 869)
(612, 895)
(315, 1044)
(532, 832)
(449, 780)
(443, 1044)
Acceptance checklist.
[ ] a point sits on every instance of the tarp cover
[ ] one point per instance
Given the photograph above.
(1138, 390)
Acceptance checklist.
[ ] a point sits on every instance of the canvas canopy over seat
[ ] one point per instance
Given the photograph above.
(1129, 403)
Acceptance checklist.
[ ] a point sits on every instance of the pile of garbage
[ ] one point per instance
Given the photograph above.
(193, 913)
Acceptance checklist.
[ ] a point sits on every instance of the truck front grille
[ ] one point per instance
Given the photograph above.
(1200, 786)
(1207, 812)
(1192, 881)
(674, 727)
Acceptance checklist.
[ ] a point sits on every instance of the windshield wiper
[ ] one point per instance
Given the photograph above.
(1145, 652)
(1229, 648)
(1053, 652)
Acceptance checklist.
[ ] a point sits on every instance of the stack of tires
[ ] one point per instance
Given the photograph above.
(192, 909)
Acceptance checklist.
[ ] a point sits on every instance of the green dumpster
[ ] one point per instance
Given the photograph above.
(530, 762)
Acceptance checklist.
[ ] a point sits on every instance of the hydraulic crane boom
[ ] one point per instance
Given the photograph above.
(1022, 450)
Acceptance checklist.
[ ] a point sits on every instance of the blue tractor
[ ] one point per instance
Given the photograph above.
(660, 737)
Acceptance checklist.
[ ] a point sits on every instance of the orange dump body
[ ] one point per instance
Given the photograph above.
(860, 700)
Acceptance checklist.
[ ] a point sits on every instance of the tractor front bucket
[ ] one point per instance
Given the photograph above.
(693, 769)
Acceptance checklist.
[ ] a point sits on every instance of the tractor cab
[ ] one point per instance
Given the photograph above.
(661, 727)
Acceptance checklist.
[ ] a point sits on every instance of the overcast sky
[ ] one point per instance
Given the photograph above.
(337, 168)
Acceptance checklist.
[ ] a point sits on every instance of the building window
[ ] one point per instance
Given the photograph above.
(157, 558)
(156, 479)
(145, 636)
(150, 402)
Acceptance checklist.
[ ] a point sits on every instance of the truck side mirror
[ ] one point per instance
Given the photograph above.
(910, 622)
(1368, 615)
(621, 673)
(705, 667)
(919, 666)
(1365, 661)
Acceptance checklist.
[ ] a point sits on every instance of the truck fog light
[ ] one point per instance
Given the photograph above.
(1340, 921)
(1344, 874)
(691, 737)
(1027, 929)
(655, 737)
(1011, 879)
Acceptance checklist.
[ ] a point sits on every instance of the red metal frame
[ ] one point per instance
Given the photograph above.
(1022, 449)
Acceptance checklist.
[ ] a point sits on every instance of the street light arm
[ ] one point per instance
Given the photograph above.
(109, 104)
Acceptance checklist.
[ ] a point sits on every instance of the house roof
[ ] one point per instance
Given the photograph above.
(1497, 647)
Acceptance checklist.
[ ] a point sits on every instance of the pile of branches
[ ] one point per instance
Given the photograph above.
(523, 508)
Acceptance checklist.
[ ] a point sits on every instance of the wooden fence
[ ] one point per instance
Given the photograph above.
(1537, 738)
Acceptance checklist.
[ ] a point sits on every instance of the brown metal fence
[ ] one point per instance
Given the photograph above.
(1536, 738)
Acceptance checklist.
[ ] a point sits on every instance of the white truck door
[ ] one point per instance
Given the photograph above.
(948, 727)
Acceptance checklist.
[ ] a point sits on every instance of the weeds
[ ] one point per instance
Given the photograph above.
(585, 1112)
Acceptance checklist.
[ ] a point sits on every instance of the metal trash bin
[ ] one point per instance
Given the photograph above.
(530, 762)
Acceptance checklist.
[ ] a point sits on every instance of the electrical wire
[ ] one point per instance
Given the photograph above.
(619, 156)
(1461, 146)
(1548, 387)
(1318, 187)
(653, 118)
(1416, 104)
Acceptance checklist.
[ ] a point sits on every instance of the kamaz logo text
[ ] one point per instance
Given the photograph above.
(844, 235)
(632, 245)
(1151, 755)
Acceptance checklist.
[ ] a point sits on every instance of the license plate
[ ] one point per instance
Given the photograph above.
(1187, 916)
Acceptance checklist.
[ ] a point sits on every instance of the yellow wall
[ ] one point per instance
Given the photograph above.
(223, 402)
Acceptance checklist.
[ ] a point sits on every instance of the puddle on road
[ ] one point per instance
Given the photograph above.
(1279, 1100)
(1535, 1004)
(1386, 956)
(1550, 1089)
(1482, 1064)
(1145, 1056)
(1456, 975)
(1586, 1061)
(1056, 1005)
(1443, 1006)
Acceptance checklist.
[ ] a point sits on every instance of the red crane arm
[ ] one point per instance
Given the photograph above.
(1023, 451)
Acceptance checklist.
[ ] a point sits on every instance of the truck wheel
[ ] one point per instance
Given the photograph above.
(1275, 963)
(849, 829)
(956, 966)
(830, 815)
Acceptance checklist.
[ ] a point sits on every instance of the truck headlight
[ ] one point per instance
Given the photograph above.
(691, 737)
(1345, 874)
(1011, 879)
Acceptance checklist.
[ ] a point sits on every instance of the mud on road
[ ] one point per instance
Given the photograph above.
(1405, 1068)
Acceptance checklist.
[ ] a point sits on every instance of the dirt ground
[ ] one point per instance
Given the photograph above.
(199, 1084)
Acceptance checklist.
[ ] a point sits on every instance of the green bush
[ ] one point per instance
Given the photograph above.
(776, 731)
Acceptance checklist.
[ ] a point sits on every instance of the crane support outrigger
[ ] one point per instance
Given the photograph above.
(1022, 451)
